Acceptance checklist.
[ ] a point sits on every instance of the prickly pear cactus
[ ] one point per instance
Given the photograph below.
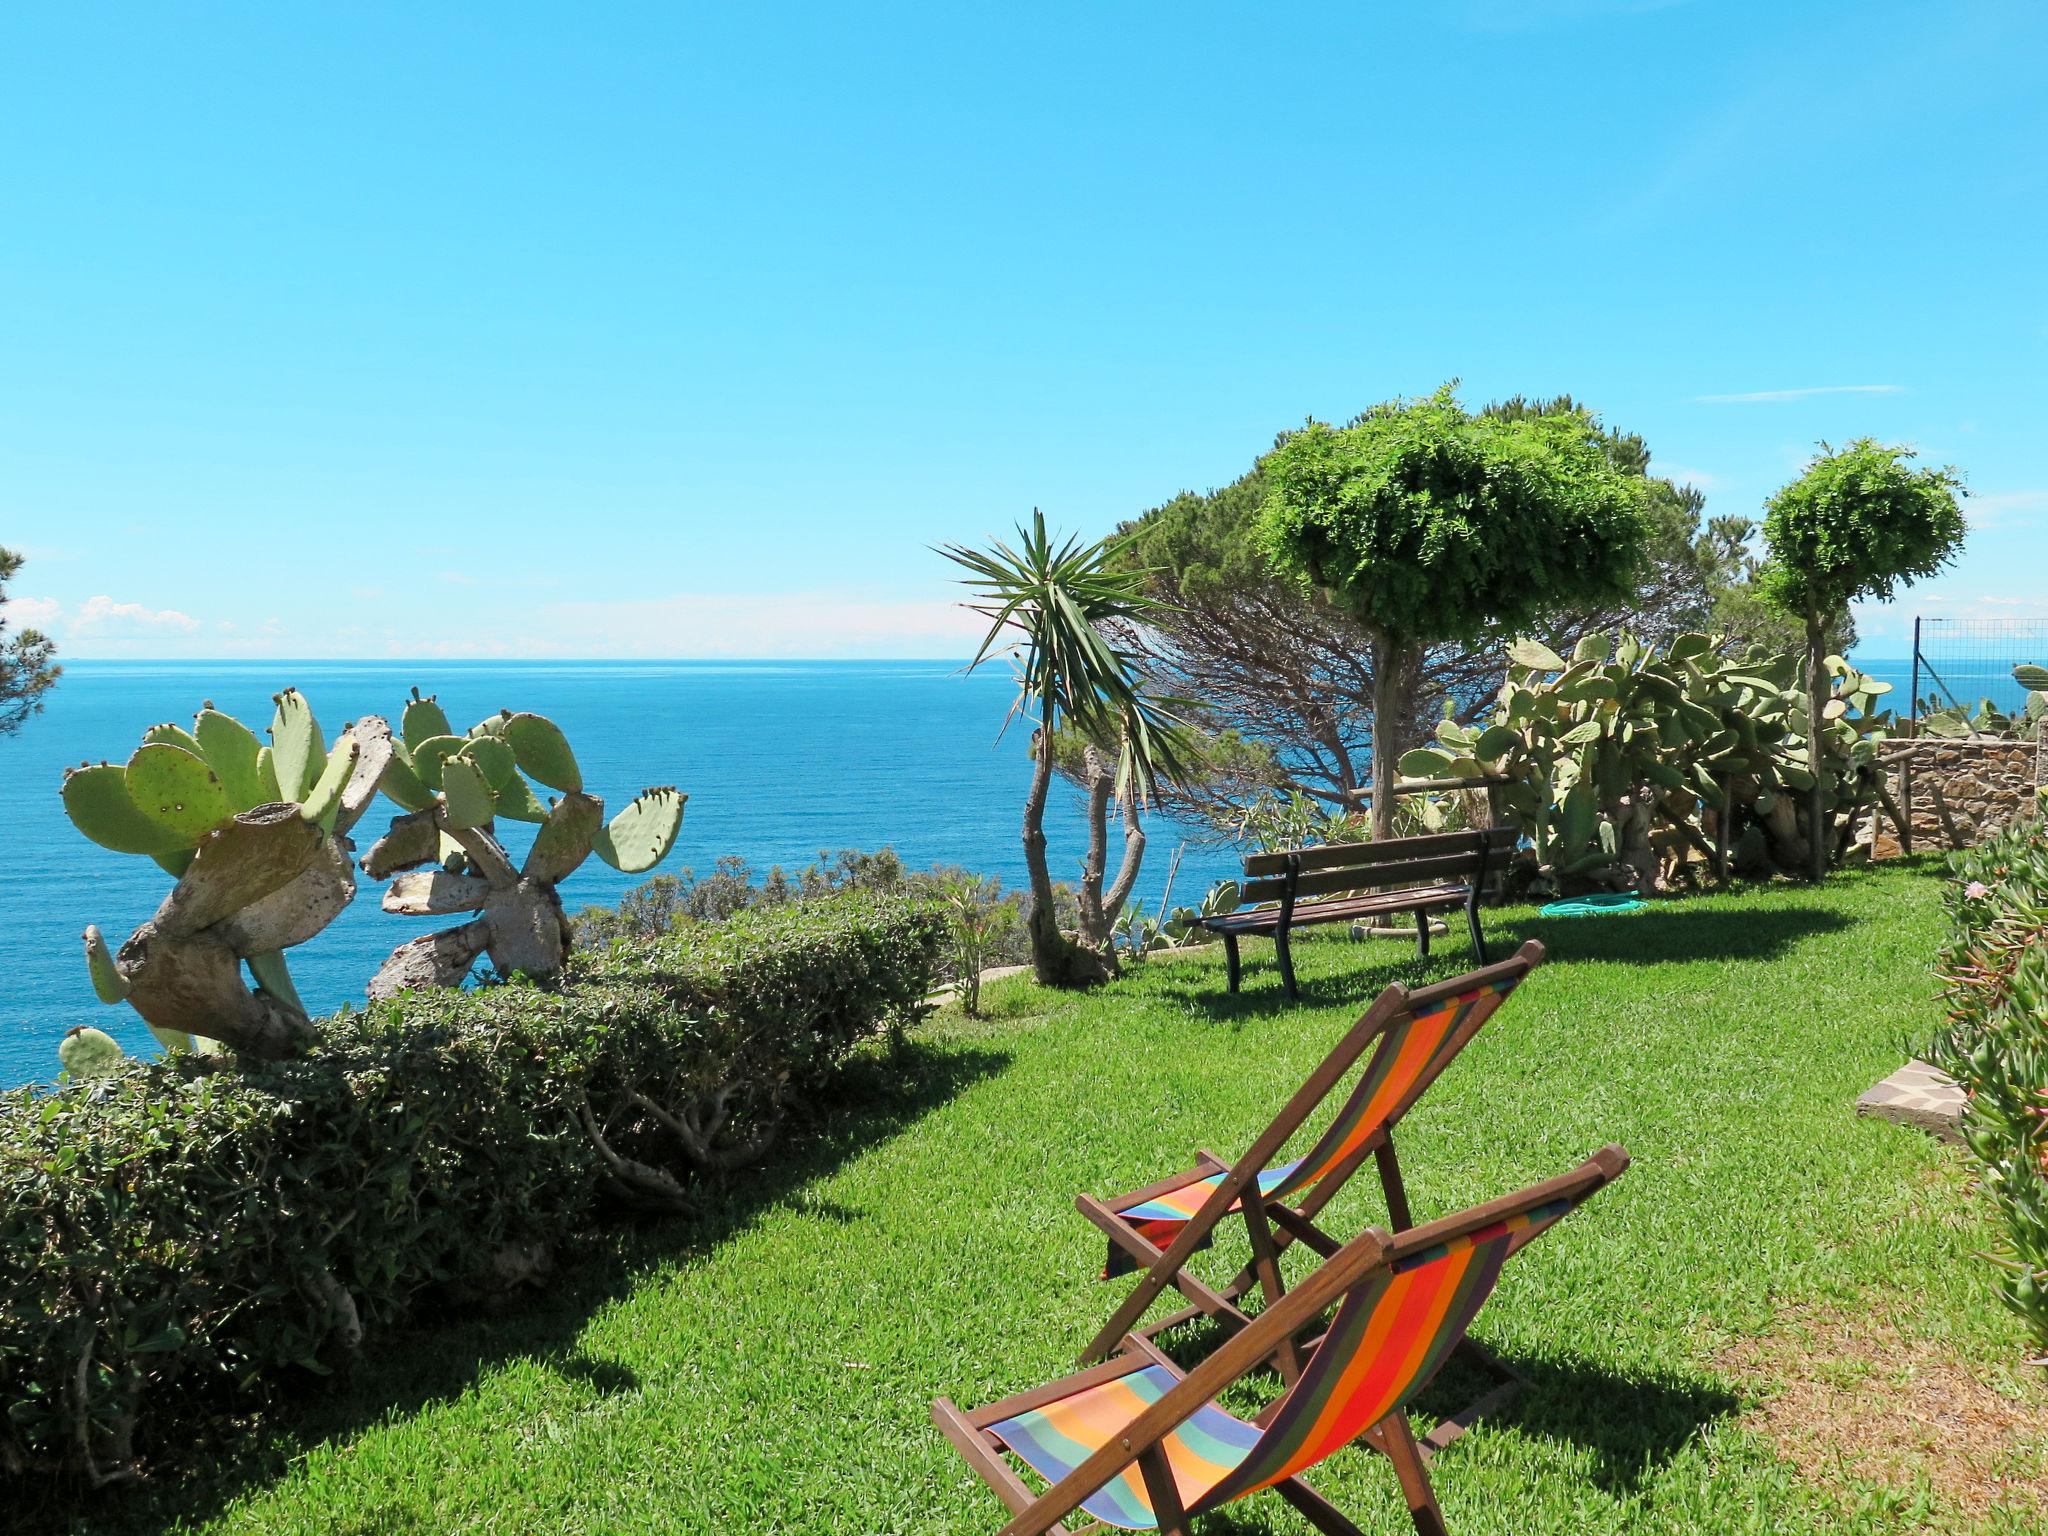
(443, 855)
(1624, 764)
(256, 836)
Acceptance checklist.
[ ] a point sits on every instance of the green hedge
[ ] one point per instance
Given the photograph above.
(175, 1235)
(1994, 970)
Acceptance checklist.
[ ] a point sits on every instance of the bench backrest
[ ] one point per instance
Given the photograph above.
(1357, 866)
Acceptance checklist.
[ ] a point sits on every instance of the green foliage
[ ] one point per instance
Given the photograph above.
(176, 1236)
(1994, 1042)
(1425, 523)
(978, 921)
(28, 665)
(1623, 762)
(1060, 600)
(1855, 524)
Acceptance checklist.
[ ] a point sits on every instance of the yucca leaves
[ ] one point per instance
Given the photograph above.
(1053, 603)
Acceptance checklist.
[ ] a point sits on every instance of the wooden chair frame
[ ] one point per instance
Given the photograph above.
(1141, 1443)
(1273, 1225)
(1456, 865)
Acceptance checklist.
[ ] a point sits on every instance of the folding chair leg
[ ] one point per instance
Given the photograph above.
(1393, 1436)
(1421, 935)
(1396, 1191)
(1231, 959)
(1266, 1261)
(1286, 960)
(1319, 1511)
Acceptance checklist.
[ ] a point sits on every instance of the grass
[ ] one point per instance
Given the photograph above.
(769, 1369)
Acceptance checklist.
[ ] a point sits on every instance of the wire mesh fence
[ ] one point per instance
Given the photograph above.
(1958, 662)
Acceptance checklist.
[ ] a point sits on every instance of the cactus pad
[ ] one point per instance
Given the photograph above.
(323, 800)
(298, 750)
(494, 759)
(235, 755)
(108, 984)
(430, 754)
(172, 735)
(516, 802)
(402, 784)
(470, 801)
(89, 1052)
(178, 792)
(423, 720)
(100, 806)
(641, 835)
(544, 752)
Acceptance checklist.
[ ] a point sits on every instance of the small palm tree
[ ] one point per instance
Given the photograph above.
(1053, 601)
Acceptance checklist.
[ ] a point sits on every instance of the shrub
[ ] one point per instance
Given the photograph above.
(1994, 971)
(176, 1234)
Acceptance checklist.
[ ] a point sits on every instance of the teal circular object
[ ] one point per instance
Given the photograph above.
(1593, 906)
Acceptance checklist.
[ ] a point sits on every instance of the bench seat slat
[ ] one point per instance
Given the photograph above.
(1267, 919)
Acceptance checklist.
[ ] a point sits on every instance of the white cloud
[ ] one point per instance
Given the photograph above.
(32, 612)
(102, 618)
(1761, 396)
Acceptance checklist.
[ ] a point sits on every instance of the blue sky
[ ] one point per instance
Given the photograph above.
(676, 330)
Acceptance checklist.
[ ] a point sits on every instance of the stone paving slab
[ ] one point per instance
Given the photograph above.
(1918, 1094)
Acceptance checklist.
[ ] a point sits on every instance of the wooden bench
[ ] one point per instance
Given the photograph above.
(1433, 874)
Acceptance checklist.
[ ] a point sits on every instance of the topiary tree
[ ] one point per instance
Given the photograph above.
(1426, 524)
(1854, 525)
(1056, 601)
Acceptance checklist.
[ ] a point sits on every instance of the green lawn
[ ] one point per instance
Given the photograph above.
(770, 1369)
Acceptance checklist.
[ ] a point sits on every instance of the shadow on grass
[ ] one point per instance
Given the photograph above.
(1631, 1424)
(1678, 930)
(439, 1356)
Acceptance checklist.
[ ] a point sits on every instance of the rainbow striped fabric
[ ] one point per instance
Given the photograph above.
(1390, 1336)
(1054, 1440)
(1412, 1049)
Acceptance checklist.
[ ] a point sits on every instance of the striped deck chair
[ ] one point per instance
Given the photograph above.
(1136, 1444)
(1412, 1037)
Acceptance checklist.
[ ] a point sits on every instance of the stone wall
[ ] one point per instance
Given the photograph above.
(1983, 785)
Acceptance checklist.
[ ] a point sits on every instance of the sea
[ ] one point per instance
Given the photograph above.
(781, 760)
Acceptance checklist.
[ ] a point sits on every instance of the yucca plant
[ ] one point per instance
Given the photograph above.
(1048, 604)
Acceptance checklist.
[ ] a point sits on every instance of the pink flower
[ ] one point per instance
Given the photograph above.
(1976, 890)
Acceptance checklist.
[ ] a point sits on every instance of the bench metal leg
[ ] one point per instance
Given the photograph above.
(1478, 938)
(1230, 958)
(1286, 960)
(1421, 934)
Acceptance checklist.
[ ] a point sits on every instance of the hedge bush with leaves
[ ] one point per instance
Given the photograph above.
(178, 1236)
(1995, 1043)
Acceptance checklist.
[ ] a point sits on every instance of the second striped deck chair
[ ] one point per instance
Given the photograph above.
(1136, 1444)
(1411, 1037)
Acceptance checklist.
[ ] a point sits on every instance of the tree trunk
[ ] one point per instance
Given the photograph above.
(1101, 782)
(1391, 665)
(1816, 697)
(1134, 857)
(1056, 960)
